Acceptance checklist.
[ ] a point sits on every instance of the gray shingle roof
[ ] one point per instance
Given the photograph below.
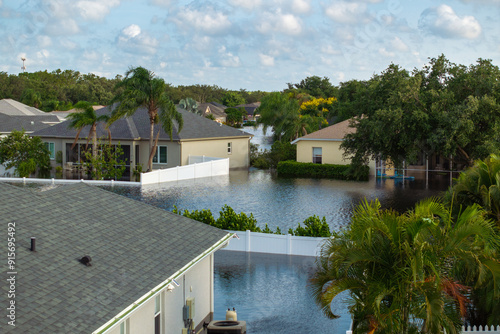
(28, 123)
(137, 126)
(134, 247)
(14, 108)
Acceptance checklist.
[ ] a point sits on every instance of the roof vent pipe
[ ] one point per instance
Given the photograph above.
(33, 244)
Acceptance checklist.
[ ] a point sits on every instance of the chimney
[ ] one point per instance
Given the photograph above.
(33, 244)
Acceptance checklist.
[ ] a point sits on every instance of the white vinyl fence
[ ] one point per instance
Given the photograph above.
(68, 181)
(211, 167)
(275, 244)
(467, 330)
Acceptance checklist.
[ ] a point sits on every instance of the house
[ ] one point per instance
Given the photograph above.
(215, 109)
(199, 136)
(102, 263)
(323, 146)
(18, 116)
(249, 110)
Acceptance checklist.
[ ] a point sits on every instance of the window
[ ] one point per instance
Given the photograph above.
(124, 327)
(52, 149)
(317, 155)
(161, 152)
(157, 314)
(229, 148)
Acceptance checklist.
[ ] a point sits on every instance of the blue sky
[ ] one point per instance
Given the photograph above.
(248, 44)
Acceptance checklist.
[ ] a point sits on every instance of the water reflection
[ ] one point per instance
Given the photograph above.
(270, 293)
(285, 202)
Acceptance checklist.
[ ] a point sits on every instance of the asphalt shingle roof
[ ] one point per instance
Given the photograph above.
(14, 108)
(336, 131)
(27, 123)
(133, 246)
(137, 127)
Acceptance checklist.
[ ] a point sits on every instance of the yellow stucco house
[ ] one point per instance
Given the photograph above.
(323, 146)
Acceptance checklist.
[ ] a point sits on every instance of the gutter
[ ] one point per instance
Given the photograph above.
(111, 324)
(315, 139)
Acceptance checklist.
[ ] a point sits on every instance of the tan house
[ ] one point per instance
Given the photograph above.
(215, 109)
(323, 146)
(198, 137)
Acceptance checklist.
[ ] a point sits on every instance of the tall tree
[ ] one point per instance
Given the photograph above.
(141, 88)
(402, 270)
(24, 153)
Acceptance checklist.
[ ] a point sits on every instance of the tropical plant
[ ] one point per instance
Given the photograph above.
(24, 153)
(141, 88)
(401, 270)
(479, 184)
(87, 117)
(108, 164)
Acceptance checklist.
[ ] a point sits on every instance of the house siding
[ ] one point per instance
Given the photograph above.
(239, 157)
(331, 153)
(197, 283)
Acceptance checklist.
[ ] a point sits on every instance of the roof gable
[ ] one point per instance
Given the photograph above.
(334, 132)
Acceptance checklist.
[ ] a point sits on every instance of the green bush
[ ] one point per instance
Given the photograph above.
(313, 227)
(308, 169)
(230, 220)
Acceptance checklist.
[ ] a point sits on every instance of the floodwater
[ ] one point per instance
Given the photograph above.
(285, 202)
(270, 293)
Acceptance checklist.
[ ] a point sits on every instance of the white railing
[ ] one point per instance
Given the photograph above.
(68, 181)
(196, 159)
(466, 330)
(481, 330)
(214, 167)
(275, 244)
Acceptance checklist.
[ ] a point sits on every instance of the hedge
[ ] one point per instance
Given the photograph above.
(309, 169)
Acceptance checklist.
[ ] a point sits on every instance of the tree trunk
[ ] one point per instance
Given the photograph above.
(94, 147)
(151, 135)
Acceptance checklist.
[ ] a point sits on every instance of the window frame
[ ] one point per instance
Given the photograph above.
(317, 159)
(48, 144)
(158, 155)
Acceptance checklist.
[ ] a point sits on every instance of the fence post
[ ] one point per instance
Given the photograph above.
(288, 244)
(248, 236)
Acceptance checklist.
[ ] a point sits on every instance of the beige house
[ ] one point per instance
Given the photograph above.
(198, 137)
(323, 146)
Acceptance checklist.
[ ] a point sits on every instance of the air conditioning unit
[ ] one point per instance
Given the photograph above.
(227, 327)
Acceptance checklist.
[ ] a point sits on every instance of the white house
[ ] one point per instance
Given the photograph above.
(103, 263)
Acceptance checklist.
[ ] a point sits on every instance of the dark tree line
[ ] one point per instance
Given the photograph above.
(60, 90)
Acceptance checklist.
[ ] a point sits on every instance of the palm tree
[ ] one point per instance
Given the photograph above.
(479, 184)
(190, 105)
(401, 269)
(141, 88)
(87, 117)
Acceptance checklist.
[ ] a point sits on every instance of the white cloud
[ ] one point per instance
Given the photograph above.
(386, 53)
(227, 59)
(482, 2)
(443, 21)
(301, 6)
(95, 10)
(132, 39)
(398, 45)
(42, 54)
(266, 60)
(346, 12)
(68, 44)
(330, 50)
(130, 32)
(207, 20)
(282, 23)
(247, 4)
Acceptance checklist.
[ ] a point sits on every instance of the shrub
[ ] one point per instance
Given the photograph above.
(313, 227)
(307, 169)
